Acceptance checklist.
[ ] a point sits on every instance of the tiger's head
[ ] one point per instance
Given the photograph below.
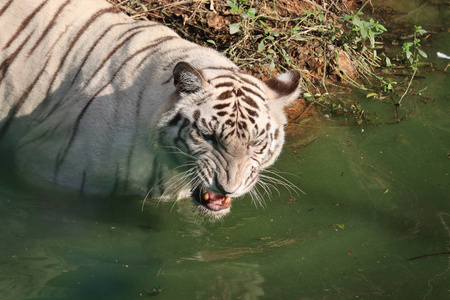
(229, 125)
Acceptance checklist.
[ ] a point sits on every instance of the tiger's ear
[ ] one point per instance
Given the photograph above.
(187, 79)
(284, 87)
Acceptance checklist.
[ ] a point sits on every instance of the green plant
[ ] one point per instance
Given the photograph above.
(359, 39)
(139, 4)
(242, 8)
(363, 32)
(413, 54)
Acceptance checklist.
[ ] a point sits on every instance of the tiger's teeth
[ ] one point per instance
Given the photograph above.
(228, 200)
(206, 196)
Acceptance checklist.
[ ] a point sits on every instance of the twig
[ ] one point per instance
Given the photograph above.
(305, 110)
(407, 89)
(427, 255)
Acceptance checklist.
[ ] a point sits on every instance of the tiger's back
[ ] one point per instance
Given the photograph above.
(86, 93)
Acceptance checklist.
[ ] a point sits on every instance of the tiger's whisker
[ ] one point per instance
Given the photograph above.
(161, 179)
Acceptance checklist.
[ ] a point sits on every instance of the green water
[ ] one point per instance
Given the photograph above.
(376, 196)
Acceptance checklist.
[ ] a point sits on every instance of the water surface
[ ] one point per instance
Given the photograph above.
(376, 210)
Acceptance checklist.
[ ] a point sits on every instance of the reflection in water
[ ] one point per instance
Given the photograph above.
(223, 254)
(20, 277)
(227, 280)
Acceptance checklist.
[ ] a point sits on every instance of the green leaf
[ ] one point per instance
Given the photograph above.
(234, 28)
(381, 27)
(340, 226)
(357, 22)
(233, 5)
(252, 12)
(261, 46)
(363, 32)
(274, 33)
(421, 31)
(388, 62)
(422, 53)
(372, 38)
(272, 65)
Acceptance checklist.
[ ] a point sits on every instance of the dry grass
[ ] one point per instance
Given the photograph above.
(269, 37)
(278, 36)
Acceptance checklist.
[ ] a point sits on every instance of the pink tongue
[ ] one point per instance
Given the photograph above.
(216, 202)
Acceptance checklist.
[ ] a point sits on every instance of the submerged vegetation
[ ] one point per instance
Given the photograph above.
(332, 43)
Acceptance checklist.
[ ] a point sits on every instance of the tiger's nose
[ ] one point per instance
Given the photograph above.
(223, 190)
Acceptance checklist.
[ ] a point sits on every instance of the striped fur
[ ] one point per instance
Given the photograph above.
(95, 101)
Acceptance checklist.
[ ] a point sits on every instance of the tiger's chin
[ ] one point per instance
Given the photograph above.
(211, 204)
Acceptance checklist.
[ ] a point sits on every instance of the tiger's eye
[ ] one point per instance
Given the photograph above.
(211, 138)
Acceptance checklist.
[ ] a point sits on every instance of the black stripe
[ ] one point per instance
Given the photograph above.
(253, 92)
(242, 125)
(250, 102)
(255, 159)
(83, 183)
(168, 80)
(94, 45)
(253, 178)
(19, 103)
(143, 26)
(186, 123)
(156, 43)
(178, 49)
(251, 112)
(8, 62)
(39, 138)
(116, 181)
(208, 170)
(175, 61)
(60, 158)
(276, 134)
(25, 24)
(249, 82)
(171, 64)
(110, 54)
(49, 26)
(228, 135)
(224, 84)
(154, 178)
(77, 37)
(225, 95)
(221, 106)
(133, 138)
(231, 69)
(229, 76)
(4, 8)
(261, 150)
(175, 120)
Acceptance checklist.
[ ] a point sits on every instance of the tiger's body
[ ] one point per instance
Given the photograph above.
(94, 101)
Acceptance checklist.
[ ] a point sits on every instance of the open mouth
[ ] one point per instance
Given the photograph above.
(212, 201)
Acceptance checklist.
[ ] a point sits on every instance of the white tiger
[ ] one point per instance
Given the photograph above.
(95, 101)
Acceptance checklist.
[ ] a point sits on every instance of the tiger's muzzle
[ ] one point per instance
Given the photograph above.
(210, 203)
